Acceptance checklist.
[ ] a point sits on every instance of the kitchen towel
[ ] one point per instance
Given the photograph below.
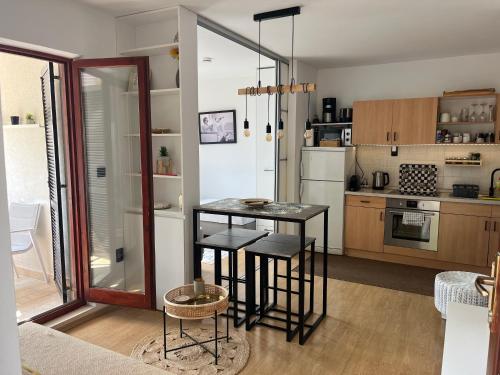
(413, 218)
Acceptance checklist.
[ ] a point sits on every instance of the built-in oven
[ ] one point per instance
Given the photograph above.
(412, 223)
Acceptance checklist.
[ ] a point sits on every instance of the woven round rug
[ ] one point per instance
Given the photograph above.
(233, 355)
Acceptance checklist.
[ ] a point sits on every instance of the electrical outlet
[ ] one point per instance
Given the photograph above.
(119, 255)
(394, 151)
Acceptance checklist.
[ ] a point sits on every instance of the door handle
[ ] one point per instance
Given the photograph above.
(301, 190)
(388, 136)
(301, 168)
(365, 201)
(486, 226)
(394, 136)
(481, 282)
(268, 170)
(381, 216)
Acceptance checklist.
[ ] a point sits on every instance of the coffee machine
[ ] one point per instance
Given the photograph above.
(329, 109)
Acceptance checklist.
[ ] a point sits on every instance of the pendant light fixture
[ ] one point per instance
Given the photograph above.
(308, 133)
(246, 125)
(281, 133)
(269, 136)
(292, 87)
(280, 89)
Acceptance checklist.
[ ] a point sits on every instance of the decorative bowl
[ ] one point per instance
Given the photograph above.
(255, 202)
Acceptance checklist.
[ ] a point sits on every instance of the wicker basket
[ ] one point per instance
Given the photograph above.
(190, 311)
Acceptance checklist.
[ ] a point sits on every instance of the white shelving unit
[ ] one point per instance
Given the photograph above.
(154, 34)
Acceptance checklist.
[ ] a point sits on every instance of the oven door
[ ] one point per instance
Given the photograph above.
(424, 237)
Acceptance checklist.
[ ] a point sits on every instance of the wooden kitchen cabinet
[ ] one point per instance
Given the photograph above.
(494, 239)
(414, 121)
(397, 122)
(364, 228)
(372, 122)
(464, 239)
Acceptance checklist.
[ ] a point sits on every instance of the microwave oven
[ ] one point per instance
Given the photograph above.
(333, 131)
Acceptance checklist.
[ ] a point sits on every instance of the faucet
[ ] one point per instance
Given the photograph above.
(492, 187)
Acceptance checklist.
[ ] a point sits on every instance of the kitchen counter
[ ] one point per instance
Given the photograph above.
(444, 196)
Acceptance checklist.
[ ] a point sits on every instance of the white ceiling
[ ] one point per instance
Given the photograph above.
(230, 59)
(352, 32)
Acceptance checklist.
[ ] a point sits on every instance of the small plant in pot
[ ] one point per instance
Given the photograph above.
(163, 161)
(30, 118)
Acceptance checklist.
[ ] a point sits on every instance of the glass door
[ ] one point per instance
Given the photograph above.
(113, 123)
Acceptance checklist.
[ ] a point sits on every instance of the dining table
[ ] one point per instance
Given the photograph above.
(298, 213)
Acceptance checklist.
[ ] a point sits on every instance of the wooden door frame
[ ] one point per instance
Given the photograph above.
(65, 66)
(103, 295)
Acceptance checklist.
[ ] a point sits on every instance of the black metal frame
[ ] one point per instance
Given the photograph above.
(279, 13)
(182, 333)
(303, 335)
(233, 111)
(265, 306)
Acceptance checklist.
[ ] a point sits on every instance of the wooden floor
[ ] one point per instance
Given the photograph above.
(34, 296)
(368, 330)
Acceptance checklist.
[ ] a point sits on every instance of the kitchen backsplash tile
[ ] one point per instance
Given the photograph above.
(376, 158)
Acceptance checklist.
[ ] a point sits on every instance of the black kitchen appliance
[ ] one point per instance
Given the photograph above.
(329, 109)
(380, 180)
(354, 183)
(345, 115)
(465, 190)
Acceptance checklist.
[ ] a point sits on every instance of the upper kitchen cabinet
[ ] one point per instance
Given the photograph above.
(395, 122)
(372, 122)
(414, 121)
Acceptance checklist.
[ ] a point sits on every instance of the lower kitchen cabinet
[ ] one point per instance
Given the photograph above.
(364, 228)
(464, 239)
(494, 239)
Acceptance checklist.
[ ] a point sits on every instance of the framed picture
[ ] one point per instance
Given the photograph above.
(217, 127)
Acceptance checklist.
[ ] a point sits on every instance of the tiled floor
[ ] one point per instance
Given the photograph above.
(35, 296)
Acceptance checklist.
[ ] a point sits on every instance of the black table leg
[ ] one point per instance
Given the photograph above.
(216, 341)
(325, 260)
(217, 267)
(311, 278)
(164, 333)
(288, 300)
(302, 259)
(196, 249)
(249, 288)
(235, 287)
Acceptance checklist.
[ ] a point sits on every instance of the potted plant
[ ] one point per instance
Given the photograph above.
(30, 118)
(163, 161)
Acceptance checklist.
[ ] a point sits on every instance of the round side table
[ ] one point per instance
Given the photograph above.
(181, 303)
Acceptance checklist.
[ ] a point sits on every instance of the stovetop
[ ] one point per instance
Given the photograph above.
(419, 194)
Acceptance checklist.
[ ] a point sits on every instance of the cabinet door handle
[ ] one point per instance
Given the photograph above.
(388, 136)
(494, 226)
(365, 201)
(381, 216)
(486, 226)
(395, 136)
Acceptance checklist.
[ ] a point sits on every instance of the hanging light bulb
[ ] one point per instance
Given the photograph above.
(281, 133)
(308, 133)
(269, 136)
(246, 125)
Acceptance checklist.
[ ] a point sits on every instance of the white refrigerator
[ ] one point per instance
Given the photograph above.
(324, 173)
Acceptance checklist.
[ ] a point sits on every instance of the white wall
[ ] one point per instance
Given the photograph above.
(10, 362)
(63, 25)
(408, 79)
(297, 114)
(417, 79)
(228, 170)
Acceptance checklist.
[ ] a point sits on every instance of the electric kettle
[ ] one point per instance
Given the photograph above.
(380, 180)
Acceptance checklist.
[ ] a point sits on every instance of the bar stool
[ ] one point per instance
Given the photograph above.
(276, 247)
(230, 240)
